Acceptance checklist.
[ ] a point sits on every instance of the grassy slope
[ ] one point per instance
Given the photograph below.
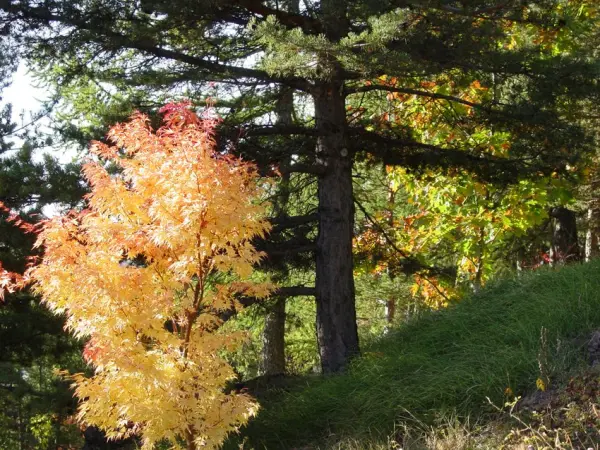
(446, 362)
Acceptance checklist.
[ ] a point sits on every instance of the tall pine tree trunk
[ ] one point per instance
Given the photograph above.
(273, 351)
(336, 313)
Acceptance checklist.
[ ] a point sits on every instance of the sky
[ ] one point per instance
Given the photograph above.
(23, 94)
(26, 98)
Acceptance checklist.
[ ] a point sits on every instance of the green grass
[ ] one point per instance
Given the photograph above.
(443, 364)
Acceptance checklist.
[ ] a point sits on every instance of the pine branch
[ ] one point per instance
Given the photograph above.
(494, 12)
(397, 151)
(283, 223)
(148, 46)
(380, 87)
(304, 168)
(282, 292)
(287, 249)
(290, 20)
(279, 130)
(294, 291)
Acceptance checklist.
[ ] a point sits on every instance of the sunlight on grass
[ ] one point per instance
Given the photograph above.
(496, 344)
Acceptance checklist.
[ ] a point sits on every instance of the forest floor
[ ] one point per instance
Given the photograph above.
(511, 367)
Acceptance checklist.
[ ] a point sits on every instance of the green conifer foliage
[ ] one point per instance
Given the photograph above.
(35, 405)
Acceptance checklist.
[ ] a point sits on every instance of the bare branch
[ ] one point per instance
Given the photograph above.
(398, 151)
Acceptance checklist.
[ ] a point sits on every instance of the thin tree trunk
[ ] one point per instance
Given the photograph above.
(565, 247)
(273, 354)
(336, 314)
(390, 306)
(390, 310)
(590, 236)
(390, 314)
(519, 262)
(189, 441)
(273, 351)
(478, 280)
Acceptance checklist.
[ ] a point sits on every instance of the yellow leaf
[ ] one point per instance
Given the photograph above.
(540, 384)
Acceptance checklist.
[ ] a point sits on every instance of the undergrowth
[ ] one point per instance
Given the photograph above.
(512, 338)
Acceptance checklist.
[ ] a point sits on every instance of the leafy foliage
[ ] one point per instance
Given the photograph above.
(494, 90)
(148, 272)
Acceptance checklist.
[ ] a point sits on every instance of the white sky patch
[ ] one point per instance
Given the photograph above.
(27, 97)
(23, 94)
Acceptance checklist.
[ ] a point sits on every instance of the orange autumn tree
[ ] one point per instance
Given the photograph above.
(147, 273)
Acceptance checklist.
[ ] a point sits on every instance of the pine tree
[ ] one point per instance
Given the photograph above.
(335, 52)
(34, 404)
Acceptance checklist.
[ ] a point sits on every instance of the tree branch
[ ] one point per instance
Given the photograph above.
(281, 292)
(480, 13)
(295, 291)
(279, 130)
(379, 87)
(278, 252)
(398, 151)
(145, 45)
(290, 20)
(304, 168)
(476, 12)
(283, 223)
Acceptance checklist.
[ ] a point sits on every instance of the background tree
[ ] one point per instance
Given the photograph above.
(36, 406)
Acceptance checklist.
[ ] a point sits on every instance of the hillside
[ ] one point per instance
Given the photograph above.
(515, 338)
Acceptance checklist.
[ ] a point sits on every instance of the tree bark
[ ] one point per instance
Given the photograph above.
(565, 247)
(336, 314)
(478, 281)
(273, 352)
(590, 235)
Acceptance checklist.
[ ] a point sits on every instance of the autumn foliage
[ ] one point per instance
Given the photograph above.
(147, 274)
